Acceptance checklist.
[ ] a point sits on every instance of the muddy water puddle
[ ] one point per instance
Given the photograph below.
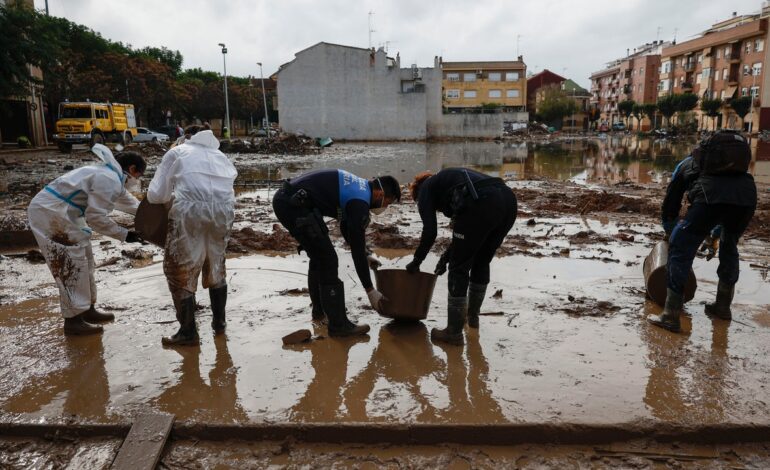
(532, 363)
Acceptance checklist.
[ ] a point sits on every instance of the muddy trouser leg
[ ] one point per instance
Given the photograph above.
(684, 242)
(734, 220)
(214, 274)
(479, 276)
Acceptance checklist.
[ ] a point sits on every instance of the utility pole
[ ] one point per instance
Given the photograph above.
(371, 13)
(264, 100)
(227, 104)
(518, 38)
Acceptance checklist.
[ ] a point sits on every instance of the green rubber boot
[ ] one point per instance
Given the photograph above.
(721, 308)
(187, 335)
(669, 318)
(476, 293)
(453, 333)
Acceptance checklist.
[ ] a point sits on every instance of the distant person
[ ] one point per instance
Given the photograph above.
(483, 210)
(197, 179)
(225, 133)
(188, 132)
(721, 192)
(302, 203)
(62, 217)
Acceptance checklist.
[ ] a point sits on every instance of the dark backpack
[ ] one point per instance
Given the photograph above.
(724, 153)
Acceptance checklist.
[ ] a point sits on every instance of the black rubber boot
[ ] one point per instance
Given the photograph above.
(669, 318)
(218, 298)
(93, 316)
(78, 326)
(476, 293)
(333, 301)
(721, 308)
(314, 288)
(188, 331)
(453, 333)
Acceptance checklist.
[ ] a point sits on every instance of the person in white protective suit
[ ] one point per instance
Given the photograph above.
(197, 179)
(62, 217)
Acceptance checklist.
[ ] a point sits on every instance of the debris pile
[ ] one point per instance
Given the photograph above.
(248, 240)
(147, 149)
(284, 143)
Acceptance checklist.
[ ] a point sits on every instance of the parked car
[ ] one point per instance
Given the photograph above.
(171, 131)
(603, 127)
(146, 135)
(618, 126)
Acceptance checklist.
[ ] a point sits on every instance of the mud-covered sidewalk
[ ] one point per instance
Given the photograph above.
(563, 340)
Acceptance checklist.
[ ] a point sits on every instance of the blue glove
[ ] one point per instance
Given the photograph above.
(669, 225)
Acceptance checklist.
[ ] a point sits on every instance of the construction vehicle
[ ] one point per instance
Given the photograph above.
(94, 123)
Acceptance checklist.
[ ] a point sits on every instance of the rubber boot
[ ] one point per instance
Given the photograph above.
(93, 316)
(333, 302)
(314, 288)
(721, 308)
(78, 326)
(218, 298)
(476, 293)
(453, 333)
(669, 318)
(188, 331)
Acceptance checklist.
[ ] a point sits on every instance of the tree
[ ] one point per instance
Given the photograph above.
(711, 109)
(594, 113)
(638, 112)
(685, 103)
(555, 106)
(741, 106)
(625, 108)
(649, 110)
(667, 107)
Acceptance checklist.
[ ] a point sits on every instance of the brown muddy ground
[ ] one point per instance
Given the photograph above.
(563, 340)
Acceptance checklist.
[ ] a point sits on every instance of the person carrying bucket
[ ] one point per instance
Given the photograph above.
(721, 192)
(483, 210)
(62, 217)
(302, 203)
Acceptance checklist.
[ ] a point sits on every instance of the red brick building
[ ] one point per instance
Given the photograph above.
(537, 81)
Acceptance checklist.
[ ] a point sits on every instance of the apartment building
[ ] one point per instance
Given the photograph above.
(724, 62)
(472, 84)
(634, 77)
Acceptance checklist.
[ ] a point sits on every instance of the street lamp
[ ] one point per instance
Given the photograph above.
(264, 100)
(227, 104)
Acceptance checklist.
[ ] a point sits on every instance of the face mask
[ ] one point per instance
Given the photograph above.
(379, 210)
(133, 185)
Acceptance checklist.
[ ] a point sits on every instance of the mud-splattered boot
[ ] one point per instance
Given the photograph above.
(94, 316)
(476, 293)
(218, 298)
(333, 301)
(669, 318)
(721, 308)
(453, 333)
(314, 289)
(188, 331)
(78, 326)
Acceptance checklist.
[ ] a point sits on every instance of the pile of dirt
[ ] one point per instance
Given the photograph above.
(389, 236)
(585, 307)
(13, 222)
(147, 149)
(248, 240)
(588, 237)
(584, 201)
(284, 143)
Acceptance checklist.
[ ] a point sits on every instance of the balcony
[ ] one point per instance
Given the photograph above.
(686, 86)
(689, 67)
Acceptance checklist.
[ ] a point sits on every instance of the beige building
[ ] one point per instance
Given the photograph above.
(473, 84)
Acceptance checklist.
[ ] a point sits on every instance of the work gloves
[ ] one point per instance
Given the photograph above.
(413, 266)
(709, 247)
(374, 263)
(133, 237)
(375, 299)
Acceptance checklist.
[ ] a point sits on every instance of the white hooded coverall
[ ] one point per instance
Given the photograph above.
(62, 217)
(198, 178)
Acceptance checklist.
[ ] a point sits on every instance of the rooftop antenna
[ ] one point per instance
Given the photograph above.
(657, 35)
(518, 38)
(371, 13)
(675, 31)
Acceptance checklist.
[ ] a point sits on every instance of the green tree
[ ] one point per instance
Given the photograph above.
(685, 103)
(638, 112)
(741, 106)
(555, 106)
(649, 110)
(711, 109)
(625, 108)
(667, 107)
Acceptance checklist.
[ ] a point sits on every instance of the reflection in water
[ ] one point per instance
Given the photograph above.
(192, 398)
(82, 384)
(686, 381)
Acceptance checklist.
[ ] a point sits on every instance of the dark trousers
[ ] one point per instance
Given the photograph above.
(693, 229)
(309, 229)
(478, 232)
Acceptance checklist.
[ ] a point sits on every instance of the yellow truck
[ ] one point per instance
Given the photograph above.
(94, 123)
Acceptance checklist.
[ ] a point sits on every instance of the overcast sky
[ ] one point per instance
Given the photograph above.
(570, 37)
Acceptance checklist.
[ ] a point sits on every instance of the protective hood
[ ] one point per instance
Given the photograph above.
(206, 139)
(105, 154)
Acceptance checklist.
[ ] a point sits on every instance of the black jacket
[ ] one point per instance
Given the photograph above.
(737, 190)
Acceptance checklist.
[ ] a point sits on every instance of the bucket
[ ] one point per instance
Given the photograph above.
(408, 294)
(655, 275)
(151, 222)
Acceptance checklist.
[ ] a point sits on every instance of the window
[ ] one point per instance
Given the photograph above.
(759, 45)
(724, 74)
(722, 95)
(727, 52)
(452, 94)
(755, 92)
(698, 78)
(495, 76)
(641, 70)
(469, 77)
(746, 70)
(511, 76)
(744, 91)
(700, 58)
(719, 53)
(667, 67)
(453, 77)
(757, 68)
(747, 45)
(511, 93)
(706, 72)
(469, 94)
(495, 93)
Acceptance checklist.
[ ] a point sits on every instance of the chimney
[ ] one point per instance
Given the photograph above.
(628, 52)
(735, 13)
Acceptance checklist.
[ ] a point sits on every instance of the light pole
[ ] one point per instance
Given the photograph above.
(264, 100)
(751, 94)
(227, 104)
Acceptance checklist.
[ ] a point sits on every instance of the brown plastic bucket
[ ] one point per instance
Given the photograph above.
(408, 295)
(655, 275)
(151, 222)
